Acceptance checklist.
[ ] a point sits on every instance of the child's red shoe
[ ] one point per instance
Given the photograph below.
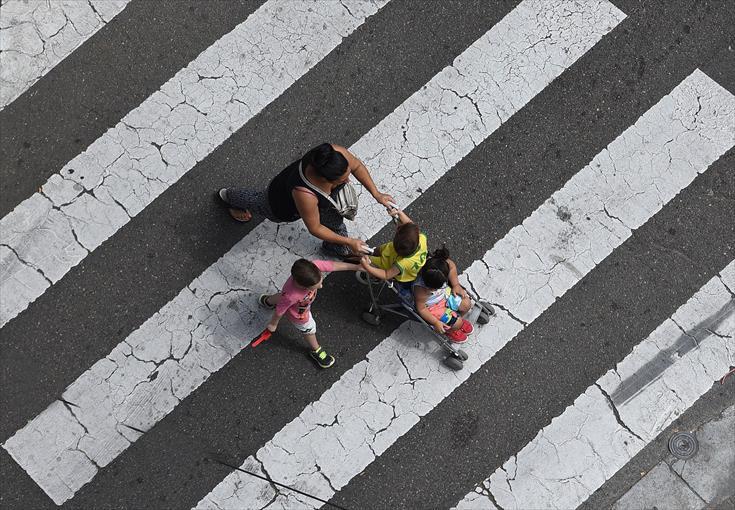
(457, 336)
(466, 327)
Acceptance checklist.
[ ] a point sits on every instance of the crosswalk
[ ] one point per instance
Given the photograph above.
(322, 447)
(380, 399)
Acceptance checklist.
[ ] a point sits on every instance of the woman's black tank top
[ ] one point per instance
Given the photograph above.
(280, 198)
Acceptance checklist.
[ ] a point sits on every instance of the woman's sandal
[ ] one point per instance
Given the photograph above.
(243, 216)
(240, 215)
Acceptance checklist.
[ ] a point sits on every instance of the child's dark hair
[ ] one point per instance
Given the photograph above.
(406, 239)
(305, 273)
(435, 272)
(326, 161)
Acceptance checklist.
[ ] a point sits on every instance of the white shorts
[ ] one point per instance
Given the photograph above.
(308, 327)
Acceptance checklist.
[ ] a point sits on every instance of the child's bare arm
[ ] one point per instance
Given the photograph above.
(402, 216)
(344, 266)
(376, 272)
(390, 273)
(457, 288)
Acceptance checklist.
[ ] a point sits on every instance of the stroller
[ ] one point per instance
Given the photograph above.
(403, 308)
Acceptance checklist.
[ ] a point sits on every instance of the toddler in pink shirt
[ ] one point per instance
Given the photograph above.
(295, 299)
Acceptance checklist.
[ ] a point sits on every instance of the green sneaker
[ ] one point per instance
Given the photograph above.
(321, 357)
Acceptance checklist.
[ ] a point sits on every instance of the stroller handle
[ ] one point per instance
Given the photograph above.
(393, 217)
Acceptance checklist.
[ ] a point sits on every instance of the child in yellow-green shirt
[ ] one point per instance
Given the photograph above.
(402, 258)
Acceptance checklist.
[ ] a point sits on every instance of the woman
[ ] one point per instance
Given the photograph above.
(289, 198)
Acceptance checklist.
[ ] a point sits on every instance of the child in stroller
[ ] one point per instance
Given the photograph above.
(439, 301)
(439, 298)
(402, 258)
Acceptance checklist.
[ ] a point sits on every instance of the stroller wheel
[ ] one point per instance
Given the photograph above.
(362, 277)
(461, 355)
(371, 318)
(490, 309)
(486, 311)
(453, 362)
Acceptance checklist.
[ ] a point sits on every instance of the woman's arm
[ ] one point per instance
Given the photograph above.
(361, 173)
(308, 206)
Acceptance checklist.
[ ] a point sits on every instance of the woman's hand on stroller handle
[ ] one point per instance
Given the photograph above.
(384, 199)
(358, 246)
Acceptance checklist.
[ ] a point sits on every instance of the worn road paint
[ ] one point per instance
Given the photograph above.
(623, 411)
(207, 324)
(154, 145)
(35, 35)
(380, 399)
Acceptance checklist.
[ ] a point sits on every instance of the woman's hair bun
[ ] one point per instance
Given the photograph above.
(326, 161)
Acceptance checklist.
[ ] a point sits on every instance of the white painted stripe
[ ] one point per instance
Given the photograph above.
(35, 35)
(383, 397)
(200, 330)
(587, 444)
(154, 145)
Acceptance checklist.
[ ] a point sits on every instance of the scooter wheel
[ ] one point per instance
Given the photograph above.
(462, 355)
(371, 318)
(454, 363)
(362, 277)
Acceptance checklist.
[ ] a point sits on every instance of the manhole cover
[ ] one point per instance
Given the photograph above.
(683, 445)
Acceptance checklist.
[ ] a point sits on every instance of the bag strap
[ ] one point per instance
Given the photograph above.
(315, 188)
